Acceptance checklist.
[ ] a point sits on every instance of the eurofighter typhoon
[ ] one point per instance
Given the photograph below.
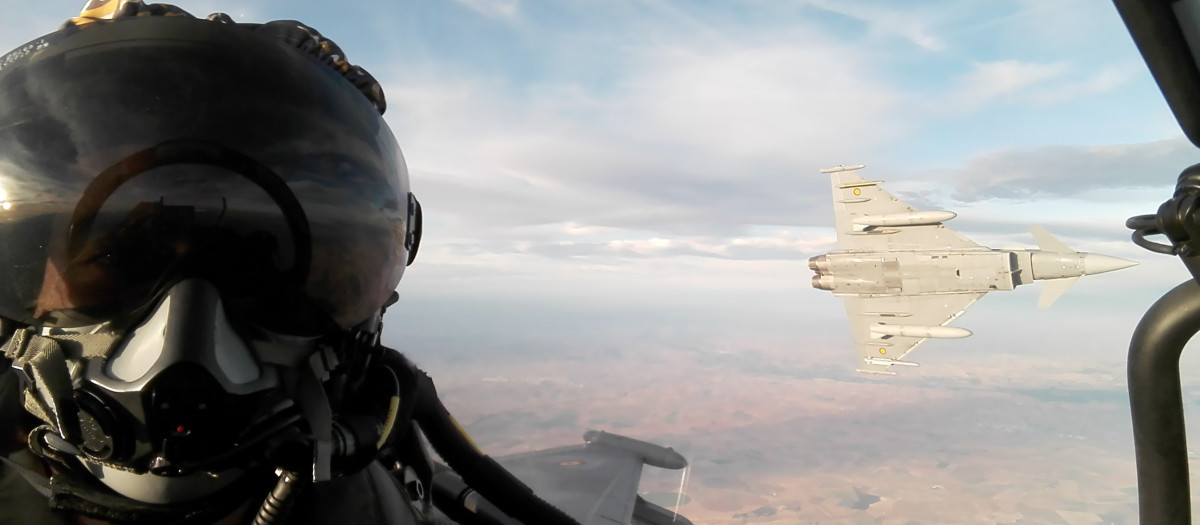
(904, 275)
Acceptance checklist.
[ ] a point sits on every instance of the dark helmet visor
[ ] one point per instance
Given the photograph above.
(140, 152)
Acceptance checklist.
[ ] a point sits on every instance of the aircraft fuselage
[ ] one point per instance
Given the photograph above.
(914, 272)
(920, 272)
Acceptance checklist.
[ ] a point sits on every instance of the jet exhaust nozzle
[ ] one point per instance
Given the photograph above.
(819, 264)
(822, 282)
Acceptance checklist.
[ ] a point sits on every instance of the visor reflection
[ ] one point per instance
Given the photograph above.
(159, 217)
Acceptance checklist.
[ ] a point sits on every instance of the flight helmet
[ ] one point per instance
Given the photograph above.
(201, 222)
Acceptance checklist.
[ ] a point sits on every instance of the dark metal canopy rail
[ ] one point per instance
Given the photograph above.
(1167, 33)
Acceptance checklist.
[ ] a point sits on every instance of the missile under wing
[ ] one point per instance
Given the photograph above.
(904, 276)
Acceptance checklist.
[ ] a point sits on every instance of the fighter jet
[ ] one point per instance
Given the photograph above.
(904, 275)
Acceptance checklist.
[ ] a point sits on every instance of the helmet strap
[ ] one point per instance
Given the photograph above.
(41, 365)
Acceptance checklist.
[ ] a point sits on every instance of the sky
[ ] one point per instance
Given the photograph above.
(635, 166)
(624, 173)
(621, 168)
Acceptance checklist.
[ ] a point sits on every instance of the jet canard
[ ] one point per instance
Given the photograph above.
(904, 275)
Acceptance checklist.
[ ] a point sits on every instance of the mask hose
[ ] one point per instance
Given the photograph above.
(279, 501)
(478, 470)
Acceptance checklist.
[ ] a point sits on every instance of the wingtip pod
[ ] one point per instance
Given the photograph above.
(840, 167)
(653, 455)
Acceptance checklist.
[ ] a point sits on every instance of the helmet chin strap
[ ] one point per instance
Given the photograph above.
(41, 364)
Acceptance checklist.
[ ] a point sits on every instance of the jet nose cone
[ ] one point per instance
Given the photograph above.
(1095, 263)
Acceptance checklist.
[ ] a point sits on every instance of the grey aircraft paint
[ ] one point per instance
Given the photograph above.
(904, 275)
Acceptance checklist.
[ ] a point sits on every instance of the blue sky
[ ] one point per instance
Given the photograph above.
(635, 170)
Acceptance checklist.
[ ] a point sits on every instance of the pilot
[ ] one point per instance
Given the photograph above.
(201, 224)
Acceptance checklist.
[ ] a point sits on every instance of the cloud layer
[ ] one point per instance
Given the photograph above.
(571, 152)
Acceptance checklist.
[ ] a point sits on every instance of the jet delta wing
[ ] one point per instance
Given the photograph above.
(869, 218)
(873, 320)
(904, 276)
(596, 483)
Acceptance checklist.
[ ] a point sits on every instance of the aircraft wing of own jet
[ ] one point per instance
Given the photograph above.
(596, 483)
